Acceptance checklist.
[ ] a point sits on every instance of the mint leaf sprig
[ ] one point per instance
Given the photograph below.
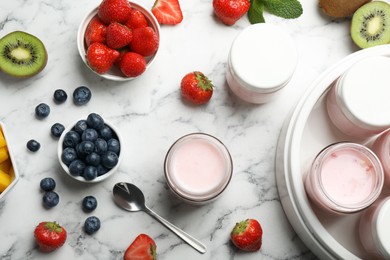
(288, 9)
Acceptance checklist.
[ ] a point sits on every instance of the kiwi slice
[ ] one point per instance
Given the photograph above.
(371, 24)
(22, 54)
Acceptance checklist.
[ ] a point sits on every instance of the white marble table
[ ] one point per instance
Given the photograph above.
(151, 116)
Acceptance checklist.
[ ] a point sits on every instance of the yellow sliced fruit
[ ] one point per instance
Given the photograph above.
(5, 180)
(6, 165)
(2, 139)
(3, 154)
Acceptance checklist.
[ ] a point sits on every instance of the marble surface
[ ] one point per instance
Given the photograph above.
(150, 115)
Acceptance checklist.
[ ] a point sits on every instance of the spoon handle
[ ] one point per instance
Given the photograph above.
(180, 233)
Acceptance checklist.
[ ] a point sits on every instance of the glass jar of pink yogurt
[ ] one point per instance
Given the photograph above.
(344, 178)
(198, 168)
(358, 101)
(381, 148)
(374, 226)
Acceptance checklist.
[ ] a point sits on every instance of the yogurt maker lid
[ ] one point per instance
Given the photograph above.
(263, 57)
(363, 92)
(382, 227)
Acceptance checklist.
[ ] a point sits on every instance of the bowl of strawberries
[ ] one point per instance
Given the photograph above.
(118, 40)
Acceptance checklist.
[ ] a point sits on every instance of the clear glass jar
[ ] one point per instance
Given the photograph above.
(381, 148)
(198, 168)
(262, 60)
(374, 226)
(344, 178)
(358, 102)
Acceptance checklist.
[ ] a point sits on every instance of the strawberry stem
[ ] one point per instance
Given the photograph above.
(203, 82)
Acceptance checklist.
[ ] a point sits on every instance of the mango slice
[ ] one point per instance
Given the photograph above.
(6, 166)
(3, 154)
(2, 139)
(5, 180)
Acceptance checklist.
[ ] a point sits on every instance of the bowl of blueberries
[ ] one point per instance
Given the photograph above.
(89, 150)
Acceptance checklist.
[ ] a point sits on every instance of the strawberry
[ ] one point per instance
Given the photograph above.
(142, 248)
(145, 41)
(100, 57)
(167, 12)
(49, 236)
(247, 235)
(132, 64)
(118, 35)
(196, 88)
(230, 11)
(136, 20)
(95, 32)
(114, 11)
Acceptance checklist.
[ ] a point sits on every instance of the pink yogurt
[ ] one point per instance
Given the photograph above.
(381, 147)
(344, 178)
(198, 167)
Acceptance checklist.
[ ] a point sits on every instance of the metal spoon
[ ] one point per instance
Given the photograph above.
(131, 198)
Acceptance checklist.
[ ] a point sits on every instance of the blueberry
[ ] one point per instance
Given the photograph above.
(33, 145)
(106, 132)
(76, 168)
(100, 146)
(91, 225)
(68, 155)
(57, 129)
(89, 134)
(90, 173)
(60, 96)
(109, 159)
(80, 126)
(82, 95)
(101, 170)
(93, 159)
(42, 110)
(84, 148)
(113, 145)
(47, 184)
(71, 139)
(95, 121)
(50, 199)
(89, 203)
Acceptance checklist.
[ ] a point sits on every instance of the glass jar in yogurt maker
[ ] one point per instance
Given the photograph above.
(358, 102)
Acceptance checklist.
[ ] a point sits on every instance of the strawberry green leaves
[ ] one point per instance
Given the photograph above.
(288, 9)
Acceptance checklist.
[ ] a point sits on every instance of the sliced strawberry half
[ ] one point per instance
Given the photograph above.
(142, 248)
(167, 12)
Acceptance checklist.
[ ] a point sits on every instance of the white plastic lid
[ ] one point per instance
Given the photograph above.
(382, 229)
(363, 93)
(263, 57)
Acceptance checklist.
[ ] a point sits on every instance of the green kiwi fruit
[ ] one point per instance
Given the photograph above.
(341, 8)
(22, 55)
(370, 24)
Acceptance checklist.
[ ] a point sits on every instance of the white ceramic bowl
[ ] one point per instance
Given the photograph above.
(115, 74)
(13, 171)
(80, 178)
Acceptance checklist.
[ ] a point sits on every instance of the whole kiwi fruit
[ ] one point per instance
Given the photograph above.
(370, 25)
(22, 54)
(341, 8)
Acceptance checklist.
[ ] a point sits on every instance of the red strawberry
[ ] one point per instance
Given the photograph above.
(100, 58)
(136, 20)
(114, 11)
(95, 32)
(142, 248)
(196, 88)
(229, 11)
(247, 235)
(167, 11)
(49, 236)
(132, 64)
(145, 41)
(118, 35)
